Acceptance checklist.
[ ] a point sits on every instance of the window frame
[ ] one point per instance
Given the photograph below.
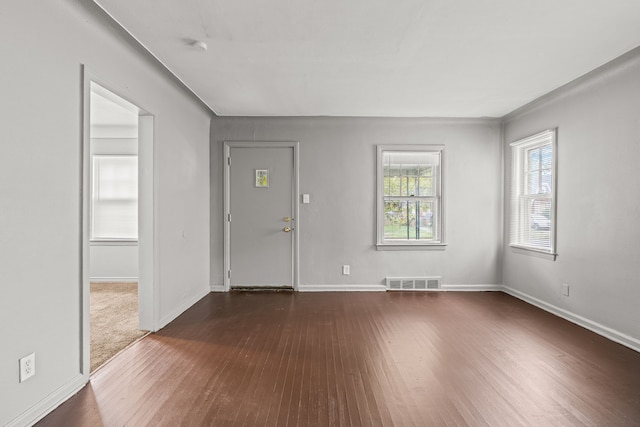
(520, 197)
(94, 182)
(381, 243)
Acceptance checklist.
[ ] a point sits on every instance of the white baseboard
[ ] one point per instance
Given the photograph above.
(605, 331)
(471, 288)
(218, 288)
(165, 320)
(382, 288)
(341, 288)
(49, 403)
(113, 279)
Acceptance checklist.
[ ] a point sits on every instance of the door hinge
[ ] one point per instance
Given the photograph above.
(229, 217)
(229, 274)
(229, 161)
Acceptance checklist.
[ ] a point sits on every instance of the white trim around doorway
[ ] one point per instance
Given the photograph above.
(148, 286)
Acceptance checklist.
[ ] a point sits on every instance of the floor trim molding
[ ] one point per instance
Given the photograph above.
(50, 402)
(605, 331)
(382, 288)
(471, 288)
(218, 288)
(341, 288)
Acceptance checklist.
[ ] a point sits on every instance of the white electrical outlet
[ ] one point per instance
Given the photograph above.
(27, 367)
(565, 289)
(346, 270)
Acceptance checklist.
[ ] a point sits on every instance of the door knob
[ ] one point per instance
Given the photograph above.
(287, 229)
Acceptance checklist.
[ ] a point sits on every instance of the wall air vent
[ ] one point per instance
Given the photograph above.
(412, 283)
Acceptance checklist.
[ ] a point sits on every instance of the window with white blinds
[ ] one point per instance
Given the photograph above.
(114, 197)
(410, 195)
(533, 192)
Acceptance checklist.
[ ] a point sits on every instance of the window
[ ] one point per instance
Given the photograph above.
(410, 202)
(114, 198)
(533, 189)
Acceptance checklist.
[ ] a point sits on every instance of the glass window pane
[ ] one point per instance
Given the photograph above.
(392, 186)
(426, 186)
(412, 186)
(392, 182)
(532, 192)
(547, 157)
(533, 183)
(410, 169)
(410, 174)
(116, 219)
(533, 157)
(546, 184)
(426, 171)
(427, 220)
(395, 220)
(539, 223)
(114, 198)
(118, 178)
(392, 170)
(413, 220)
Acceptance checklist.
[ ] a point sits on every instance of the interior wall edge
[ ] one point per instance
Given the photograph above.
(585, 82)
(97, 11)
(186, 304)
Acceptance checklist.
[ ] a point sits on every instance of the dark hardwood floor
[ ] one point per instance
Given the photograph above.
(370, 359)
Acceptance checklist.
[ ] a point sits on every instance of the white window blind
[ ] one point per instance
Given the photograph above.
(410, 195)
(533, 192)
(114, 198)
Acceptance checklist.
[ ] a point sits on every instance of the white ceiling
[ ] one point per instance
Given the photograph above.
(397, 58)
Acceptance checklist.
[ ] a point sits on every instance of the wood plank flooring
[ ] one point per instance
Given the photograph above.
(363, 359)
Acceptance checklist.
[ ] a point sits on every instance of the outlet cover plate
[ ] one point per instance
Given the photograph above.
(27, 367)
(565, 289)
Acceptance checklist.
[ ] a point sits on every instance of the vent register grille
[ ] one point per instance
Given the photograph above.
(412, 283)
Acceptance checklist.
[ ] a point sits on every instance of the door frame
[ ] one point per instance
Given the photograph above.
(148, 267)
(228, 145)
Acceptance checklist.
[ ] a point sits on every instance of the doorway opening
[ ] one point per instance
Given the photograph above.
(116, 134)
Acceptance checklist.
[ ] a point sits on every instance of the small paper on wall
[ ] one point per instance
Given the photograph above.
(262, 178)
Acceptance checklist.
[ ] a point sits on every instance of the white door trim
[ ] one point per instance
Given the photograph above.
(227, 203)
(148, 273)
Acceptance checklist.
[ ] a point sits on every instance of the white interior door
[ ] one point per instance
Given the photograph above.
(261, 220)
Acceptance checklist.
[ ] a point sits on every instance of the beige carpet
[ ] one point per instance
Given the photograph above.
(114, 320)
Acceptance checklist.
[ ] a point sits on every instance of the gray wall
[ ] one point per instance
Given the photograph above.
(598, 120)
(338, 170)
(43, 45)
(113, 262)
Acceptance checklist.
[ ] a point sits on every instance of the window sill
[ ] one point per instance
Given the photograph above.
(113, 242)
(523, 250)
(410, 247)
